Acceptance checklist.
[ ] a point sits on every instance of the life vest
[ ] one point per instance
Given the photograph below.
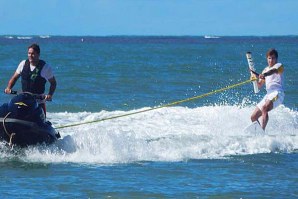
(32, 81)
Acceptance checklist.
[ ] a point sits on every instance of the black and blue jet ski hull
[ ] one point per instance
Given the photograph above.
(23, 123)
(23, 133)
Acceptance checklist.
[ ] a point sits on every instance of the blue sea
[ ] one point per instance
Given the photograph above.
(194, 149)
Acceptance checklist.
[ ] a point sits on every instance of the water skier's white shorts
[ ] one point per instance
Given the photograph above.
(277, 97)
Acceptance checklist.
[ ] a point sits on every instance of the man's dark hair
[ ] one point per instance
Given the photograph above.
(271, 52)
(35, 48)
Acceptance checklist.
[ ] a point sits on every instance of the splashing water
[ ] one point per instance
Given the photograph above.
(168, 134)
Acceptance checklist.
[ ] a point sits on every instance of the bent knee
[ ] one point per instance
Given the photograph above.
(256, 114)
(253, 118)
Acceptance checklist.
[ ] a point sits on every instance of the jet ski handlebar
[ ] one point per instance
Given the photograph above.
(13, 92)
(36, 96)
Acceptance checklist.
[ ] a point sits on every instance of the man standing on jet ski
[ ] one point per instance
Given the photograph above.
(34, 74)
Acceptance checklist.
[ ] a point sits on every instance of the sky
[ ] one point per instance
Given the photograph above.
(149, 17)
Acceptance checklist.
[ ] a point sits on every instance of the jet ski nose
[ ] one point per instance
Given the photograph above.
(22, 105)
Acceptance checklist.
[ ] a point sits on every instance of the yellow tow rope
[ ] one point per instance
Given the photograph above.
(162, 106)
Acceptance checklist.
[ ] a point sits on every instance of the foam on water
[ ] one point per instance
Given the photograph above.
(168, 134)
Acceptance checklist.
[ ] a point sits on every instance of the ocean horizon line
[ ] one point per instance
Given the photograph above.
(132, 35)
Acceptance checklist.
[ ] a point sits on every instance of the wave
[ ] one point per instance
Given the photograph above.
(44, 36)
(211, 37)
(168, 134)
(19, 37)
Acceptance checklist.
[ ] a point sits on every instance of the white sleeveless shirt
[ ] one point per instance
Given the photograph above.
(275, 82)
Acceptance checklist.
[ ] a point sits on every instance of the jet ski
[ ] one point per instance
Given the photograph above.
(23, 122)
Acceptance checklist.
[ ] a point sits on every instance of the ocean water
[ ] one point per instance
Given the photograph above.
(194, 149)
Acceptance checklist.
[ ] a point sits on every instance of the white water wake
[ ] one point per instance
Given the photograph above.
(168, 134)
